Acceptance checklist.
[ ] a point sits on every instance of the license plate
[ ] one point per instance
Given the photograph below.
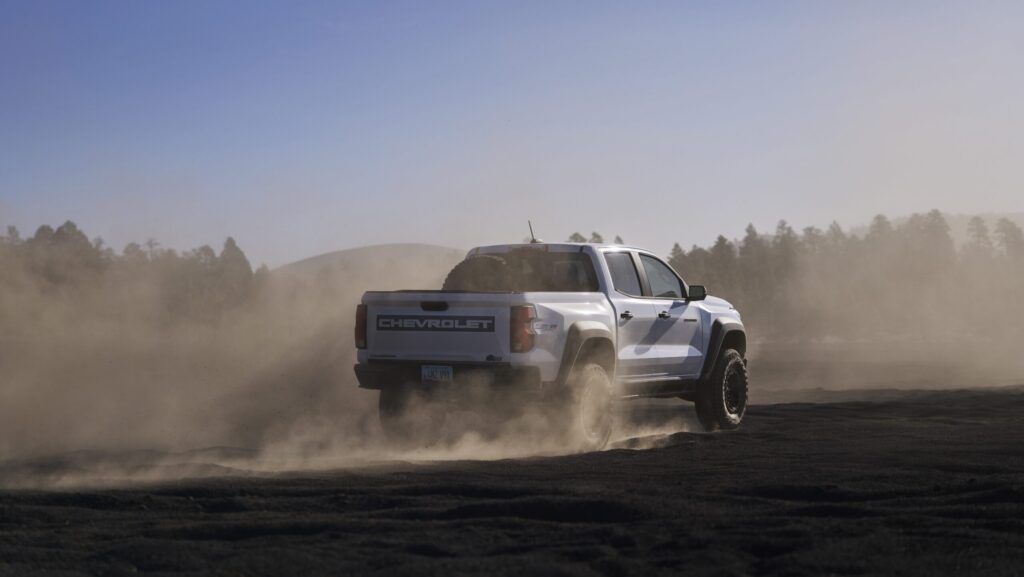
(436, 374)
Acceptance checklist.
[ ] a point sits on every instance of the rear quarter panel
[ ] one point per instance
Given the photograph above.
(556, 312)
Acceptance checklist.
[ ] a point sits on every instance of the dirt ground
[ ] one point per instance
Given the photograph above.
(904, 483)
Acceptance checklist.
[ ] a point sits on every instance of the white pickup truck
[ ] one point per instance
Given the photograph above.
(576, 326)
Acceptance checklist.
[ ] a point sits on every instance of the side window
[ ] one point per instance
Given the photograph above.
(664, 282)
(623, 271)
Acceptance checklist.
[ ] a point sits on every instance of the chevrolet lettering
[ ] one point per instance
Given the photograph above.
(435, 323)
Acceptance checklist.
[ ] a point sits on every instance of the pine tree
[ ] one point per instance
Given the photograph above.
(785, 249)
(754, 266)
(812, 240)
(1010, 239)
(979, 243)
(880, 233)
(835, 235)
(940, 242)
(13, 236)
(696, 269)
(151, 247)
(677, 258)
(721, 268)
(133, 252)
(235, 273)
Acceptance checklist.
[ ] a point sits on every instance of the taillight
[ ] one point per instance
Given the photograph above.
(360, 326)
(521, 328)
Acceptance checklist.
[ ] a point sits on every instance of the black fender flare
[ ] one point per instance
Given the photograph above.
(580, 334)
(719, 330)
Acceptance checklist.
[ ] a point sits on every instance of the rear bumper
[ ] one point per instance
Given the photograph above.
(377, 374)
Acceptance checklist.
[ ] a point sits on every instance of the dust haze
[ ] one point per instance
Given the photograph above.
(147, 364)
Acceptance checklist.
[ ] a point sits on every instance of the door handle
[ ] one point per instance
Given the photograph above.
(626, 315)
(664, 315)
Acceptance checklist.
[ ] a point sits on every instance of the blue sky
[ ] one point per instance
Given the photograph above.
(300, 128)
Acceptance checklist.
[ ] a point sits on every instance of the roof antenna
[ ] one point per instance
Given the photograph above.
(533, 237)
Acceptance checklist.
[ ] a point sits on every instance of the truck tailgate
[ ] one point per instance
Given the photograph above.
(438, 326)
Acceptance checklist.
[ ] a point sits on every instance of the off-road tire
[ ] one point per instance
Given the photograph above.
(722, 399)
(483, 273)
(409, 417)
(587, 411)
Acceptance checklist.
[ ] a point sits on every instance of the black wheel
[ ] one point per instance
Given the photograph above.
(585, 414)
(482, 273)
(410, 417)
(722, 399)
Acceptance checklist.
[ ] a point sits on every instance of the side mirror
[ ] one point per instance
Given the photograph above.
(697, 292)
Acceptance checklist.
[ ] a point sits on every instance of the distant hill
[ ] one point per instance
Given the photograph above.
(378, 267)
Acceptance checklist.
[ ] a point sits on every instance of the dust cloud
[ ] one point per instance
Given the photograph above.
(96, 381)
(101, 382)
(99, 387)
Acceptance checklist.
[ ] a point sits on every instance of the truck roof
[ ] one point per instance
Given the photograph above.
(557, 246)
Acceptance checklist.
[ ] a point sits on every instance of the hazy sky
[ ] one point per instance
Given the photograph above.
(300, 128)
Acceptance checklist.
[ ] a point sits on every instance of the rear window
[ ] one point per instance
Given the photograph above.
(624, 276)
(524, 270)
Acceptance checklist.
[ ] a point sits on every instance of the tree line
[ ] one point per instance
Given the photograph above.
(898, 279)
(63, 265)
(905, 279)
